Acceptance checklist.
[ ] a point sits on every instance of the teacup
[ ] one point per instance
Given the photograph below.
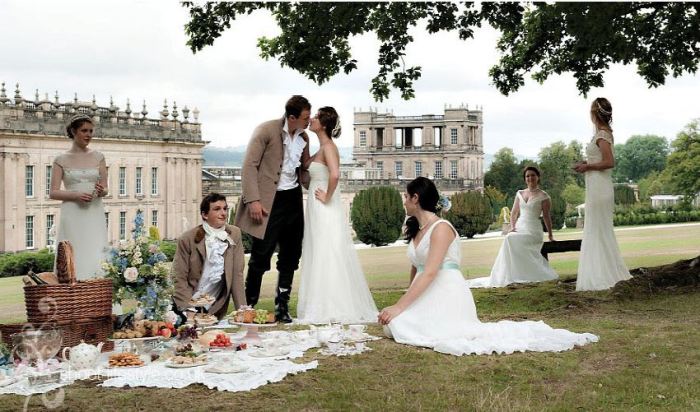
(357, 331)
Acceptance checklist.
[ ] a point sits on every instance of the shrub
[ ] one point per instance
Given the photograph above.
(18, 264)
(624, 195)
(377, 215)
(153, 233)
(470, 213)
(168, 247)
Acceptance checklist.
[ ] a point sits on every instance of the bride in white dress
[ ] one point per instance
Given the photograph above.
(600, 265)
(82, 220)
(438, 309)
(333, 286)
(520, 260)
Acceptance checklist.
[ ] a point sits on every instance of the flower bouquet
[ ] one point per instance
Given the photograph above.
(140, 272)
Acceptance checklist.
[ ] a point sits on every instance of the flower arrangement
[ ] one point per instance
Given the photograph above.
(139, 271)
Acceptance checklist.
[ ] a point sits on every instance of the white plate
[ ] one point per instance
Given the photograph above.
(124, 367)
(169, 364)
(262, 353)
(143, 339)
(235, 368)
(259, 325)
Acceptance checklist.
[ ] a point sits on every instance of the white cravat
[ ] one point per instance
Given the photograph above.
(293, 148)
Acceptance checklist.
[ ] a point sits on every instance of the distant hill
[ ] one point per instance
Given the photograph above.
(233, 156)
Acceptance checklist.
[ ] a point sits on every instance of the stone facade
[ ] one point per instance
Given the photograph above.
(153, 164)
(447, 148)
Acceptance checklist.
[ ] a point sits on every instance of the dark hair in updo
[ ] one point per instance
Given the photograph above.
(428, 197)
(329, 119)
(533, 168)
(76, 123)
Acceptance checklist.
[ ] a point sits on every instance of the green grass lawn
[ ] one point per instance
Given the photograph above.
(648, 357)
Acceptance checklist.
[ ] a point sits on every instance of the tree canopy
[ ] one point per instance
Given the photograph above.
(537, 39)
(684, 161)
(639, 156)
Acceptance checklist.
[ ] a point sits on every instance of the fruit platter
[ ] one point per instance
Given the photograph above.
(146, 329)
(246, 315)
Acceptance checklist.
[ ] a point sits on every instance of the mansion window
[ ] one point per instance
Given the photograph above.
(122, 181)
(48, 181)
(419, 169)
(107, 221)
(453, 136)
(29, 181)
(49, 226)
(139, 187)
(438, 169)
(154, 218)
(154, 181)
(29, 230)
(399, 169)
(453, 169)
(122, 225)
(363, 138)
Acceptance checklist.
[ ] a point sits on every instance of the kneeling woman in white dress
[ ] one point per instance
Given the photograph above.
(520, 260)
(438, 309)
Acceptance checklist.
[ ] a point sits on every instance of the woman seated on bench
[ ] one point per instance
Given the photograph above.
(520, 260)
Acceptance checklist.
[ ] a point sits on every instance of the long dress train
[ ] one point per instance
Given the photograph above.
(444, 316)
(600, 265)
(520, 260)
(333, 286)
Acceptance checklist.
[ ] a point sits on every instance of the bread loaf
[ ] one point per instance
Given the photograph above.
(65, 263)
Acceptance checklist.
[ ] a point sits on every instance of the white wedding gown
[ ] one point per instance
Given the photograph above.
(444, 316)
(83, 224)
(600, 265)
(520, 260)
(333, 286)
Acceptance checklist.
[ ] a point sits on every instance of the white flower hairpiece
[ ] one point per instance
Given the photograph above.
(601, 110)
(336, 130)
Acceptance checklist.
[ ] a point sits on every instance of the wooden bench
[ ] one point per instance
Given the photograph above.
(560, 246)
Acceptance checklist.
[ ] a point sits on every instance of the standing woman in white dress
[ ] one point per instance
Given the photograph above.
(520, 260)
(600, 265)
(333, 286)
(438, 309)
(82, 221)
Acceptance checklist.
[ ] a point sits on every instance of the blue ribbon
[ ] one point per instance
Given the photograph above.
(446, 265)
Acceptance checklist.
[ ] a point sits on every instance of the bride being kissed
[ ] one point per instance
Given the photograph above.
(333, 286)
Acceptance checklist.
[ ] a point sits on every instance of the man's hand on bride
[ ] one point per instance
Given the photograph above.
(388, 314)
(320, 195)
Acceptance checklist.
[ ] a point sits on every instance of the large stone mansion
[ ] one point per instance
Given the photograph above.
(153, 164)
(447, 148)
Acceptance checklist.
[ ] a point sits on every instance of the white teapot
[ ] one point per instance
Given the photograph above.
(83, 356)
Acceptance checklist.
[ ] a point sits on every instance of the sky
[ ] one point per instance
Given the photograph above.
(136, 49)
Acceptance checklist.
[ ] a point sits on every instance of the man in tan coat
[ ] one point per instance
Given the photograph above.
(270, 208)
(209, 261)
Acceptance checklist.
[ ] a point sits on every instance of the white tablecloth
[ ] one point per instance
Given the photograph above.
(260, 370)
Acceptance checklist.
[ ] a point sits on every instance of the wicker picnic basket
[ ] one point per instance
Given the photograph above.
(69, 299)
(87, 299)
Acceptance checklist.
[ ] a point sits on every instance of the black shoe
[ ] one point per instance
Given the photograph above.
(282, 313)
